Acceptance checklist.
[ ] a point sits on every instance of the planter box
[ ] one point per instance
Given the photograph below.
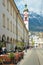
(11, 64)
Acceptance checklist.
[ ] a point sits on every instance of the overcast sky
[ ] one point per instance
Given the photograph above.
(33, 5)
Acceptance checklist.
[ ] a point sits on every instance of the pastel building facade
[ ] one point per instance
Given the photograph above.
(12, 27)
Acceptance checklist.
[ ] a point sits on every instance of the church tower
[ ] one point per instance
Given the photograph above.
(25, 13)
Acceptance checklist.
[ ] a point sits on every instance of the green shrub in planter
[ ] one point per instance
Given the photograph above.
(1, 61)
(11, 56)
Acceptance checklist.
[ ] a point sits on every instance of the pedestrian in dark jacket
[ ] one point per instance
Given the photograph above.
(0, 50)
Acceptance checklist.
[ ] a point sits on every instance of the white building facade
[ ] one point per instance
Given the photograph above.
(11, 25)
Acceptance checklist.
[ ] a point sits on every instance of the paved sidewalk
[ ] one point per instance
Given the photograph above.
(26, 55)
(32, 57)
(40, 56)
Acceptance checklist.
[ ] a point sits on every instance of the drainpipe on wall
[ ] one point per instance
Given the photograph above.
(16, 28)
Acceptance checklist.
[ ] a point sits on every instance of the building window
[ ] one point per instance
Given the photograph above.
(10, 9)
(13, 13)
(4, 2)
(8, 5)
(3, 20)
(11, 26)
(7, 23)
(8, 39)
(13, 40)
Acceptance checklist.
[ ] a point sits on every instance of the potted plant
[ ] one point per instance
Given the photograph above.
(1, 61)
(11, 56)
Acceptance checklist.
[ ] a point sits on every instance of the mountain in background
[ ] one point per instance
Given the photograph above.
(35, 22)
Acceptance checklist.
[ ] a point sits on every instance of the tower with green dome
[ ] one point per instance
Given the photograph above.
(25, 9)
(26, 15)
